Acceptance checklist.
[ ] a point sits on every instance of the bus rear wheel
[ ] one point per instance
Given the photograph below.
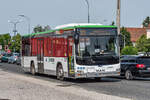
(32, 68)
(60, 72)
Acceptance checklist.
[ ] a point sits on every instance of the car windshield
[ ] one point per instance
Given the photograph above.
(16, 54)
(7, 55)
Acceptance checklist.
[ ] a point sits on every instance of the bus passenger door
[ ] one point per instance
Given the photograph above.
(40, 55)
(71, 71)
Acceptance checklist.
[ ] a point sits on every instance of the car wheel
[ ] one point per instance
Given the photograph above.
(60, 72)
(32, 69)
(128, 75)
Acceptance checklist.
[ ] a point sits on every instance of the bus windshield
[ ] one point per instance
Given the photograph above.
(96, 49)
(96, 46)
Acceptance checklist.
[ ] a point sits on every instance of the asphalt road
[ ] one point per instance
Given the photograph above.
(138, 89)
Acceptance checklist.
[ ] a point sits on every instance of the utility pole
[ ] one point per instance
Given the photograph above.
(88, 10)
(124, 41)
(118, 15)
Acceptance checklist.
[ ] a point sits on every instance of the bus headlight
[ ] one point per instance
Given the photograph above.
(80, 68)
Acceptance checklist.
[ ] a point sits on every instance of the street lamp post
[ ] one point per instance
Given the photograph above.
(28, 19)
(124, 41)
(88, 10)
(15, 28)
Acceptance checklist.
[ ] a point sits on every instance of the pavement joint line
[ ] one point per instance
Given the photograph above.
(69, 89)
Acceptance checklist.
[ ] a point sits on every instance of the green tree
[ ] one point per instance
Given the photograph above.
(47, 27)
(140, 43)
(5, 40)
(15, 43)
(147, 45)
(143, 44)
(39, 28)
(126, 36)
(146, 22)
(113, 23)
(129, 50)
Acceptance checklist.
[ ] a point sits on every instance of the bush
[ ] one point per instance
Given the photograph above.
(129, 50)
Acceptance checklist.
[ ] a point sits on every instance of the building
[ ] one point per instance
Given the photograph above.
(136, 33)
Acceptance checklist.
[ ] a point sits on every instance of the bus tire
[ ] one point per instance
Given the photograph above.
(128, 75)
(32, 68)
(60, 72)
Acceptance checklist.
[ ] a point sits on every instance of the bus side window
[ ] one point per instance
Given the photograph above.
(27, 47)
(53, 47)
(33, 48)
(50, 42)
(45, 46)
(23, 48)
(48, 46)
(65, 47)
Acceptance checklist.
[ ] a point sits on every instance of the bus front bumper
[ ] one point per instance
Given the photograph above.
(92, 75)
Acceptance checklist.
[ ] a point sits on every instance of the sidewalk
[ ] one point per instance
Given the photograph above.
(19, 87)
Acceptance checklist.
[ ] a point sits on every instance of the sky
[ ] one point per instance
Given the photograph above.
(58, 12)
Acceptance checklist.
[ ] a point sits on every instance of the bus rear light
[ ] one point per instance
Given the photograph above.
(140, 66)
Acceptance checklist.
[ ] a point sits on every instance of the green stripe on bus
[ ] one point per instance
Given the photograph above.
(71, 27)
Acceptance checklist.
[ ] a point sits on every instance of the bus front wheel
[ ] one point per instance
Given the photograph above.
(60, 72)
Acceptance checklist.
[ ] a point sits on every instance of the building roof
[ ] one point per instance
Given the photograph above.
(136, 33)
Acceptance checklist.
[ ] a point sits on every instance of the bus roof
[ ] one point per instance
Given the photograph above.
(72, 26)
(82, 25)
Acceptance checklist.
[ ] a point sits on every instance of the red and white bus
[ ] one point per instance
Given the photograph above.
(73, 51)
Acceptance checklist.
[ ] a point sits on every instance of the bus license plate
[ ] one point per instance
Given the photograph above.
(110, 69)
(90, 70)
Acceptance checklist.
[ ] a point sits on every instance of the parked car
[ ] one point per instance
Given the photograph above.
(5, 57)
(1, 54)
(13, 58)
(135, 66)
(18, 61)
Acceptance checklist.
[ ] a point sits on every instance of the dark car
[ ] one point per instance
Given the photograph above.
(135, 66)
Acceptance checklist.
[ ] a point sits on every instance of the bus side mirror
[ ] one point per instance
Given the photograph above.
(76, 36)
(121, 40)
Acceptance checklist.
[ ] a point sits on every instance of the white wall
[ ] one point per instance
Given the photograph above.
(148, 33)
